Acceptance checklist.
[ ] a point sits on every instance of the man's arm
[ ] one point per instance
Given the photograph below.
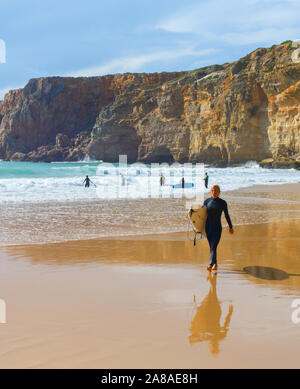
(227, 215)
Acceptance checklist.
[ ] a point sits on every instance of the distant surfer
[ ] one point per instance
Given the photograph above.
(87, 182)
(162, 180)
(206, 180)
(123, 179)
(213, 227)
(182, 182)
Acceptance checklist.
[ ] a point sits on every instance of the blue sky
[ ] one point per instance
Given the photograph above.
(96, 37)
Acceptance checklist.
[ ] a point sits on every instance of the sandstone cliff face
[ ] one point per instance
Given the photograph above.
(222, 114)
(227, 114)
(32, 117)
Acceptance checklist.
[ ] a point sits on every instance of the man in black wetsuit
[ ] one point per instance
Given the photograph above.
(87, 182)
(213, 227)
(206, 180)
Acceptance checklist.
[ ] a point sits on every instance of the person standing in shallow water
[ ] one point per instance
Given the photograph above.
(182, 182)
(213, 227)
(86, 182)
(206, 180)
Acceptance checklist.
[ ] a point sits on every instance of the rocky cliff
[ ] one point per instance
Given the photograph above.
(221, 114)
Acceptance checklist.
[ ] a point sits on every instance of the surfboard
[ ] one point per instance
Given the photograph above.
(186, 185)
(198, 218)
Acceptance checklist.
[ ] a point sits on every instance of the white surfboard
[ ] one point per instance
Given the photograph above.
(198, 218)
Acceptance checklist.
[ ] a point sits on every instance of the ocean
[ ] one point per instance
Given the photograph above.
(47, 202)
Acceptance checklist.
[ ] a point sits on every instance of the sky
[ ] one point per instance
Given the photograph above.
(98, 37)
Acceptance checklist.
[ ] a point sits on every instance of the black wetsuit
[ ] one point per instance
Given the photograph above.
(206, 181)
(87, 182)
(213, 226)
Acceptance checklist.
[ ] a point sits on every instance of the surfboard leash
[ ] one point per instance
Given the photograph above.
(195, 232)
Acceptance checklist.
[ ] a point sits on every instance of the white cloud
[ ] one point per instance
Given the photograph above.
(2, 51)
(247, 21)
(136, 63)
(261, 36)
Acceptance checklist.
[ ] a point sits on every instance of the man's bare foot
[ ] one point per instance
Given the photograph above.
(209, 268)
(215, 267)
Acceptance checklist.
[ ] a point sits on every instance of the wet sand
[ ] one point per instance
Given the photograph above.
(146, 301)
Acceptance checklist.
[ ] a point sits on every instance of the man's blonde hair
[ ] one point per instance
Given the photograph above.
(215, 187)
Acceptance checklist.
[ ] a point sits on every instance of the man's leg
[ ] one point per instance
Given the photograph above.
(214, 241)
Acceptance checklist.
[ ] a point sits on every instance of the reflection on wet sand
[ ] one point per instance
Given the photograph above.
(251, 253)
(206, 326)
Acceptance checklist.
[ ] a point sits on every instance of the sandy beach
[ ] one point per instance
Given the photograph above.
(146, 301)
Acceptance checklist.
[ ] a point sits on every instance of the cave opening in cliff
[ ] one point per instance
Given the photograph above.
(160, 155)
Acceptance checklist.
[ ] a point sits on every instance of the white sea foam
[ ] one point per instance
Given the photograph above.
(64, 182)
